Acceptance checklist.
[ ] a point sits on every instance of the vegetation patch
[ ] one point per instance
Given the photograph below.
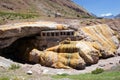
(97, 71)
(12, 16)
(64, 74)
(14, 66)
(2, 21)
(4, 78)
(115, 75)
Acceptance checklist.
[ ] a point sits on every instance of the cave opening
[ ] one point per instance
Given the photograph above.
(19, 50)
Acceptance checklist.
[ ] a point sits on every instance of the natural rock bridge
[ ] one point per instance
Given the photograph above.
(11, 32)
(84, 46)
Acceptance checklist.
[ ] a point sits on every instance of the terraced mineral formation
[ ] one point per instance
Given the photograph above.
(98, 41)
(45, 43)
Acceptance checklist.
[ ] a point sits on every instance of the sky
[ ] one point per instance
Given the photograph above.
(100, 7)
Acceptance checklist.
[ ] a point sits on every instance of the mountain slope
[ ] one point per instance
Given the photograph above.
(66, 8)
(108, 17)
(117, 16)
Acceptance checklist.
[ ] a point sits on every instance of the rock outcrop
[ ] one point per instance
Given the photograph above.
(90, 44)
(104, 36)
(57, 60)
(97, 41)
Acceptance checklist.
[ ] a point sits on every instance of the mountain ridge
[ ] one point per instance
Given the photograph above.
(117, 16)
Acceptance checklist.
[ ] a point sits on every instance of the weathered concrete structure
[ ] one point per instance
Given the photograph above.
(54, 37)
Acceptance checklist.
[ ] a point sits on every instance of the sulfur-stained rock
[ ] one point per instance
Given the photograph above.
(57, 60)
(98, 41)
(104, 36)
(88, 52)
(92, 43)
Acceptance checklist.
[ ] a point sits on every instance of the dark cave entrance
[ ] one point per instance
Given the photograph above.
(19, 50)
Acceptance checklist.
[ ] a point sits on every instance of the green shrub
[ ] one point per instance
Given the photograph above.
(14, 66)
(97, 71)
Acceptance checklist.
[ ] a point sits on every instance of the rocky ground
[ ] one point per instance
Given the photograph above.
(38, 72)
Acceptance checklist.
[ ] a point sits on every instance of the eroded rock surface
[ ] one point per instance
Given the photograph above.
(98, 41)
(12, 32)
(90, 43)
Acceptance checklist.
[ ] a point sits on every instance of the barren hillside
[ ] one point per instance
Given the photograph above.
(66, 8)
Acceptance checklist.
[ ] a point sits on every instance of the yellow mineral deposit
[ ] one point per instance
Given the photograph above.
(77, 54)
